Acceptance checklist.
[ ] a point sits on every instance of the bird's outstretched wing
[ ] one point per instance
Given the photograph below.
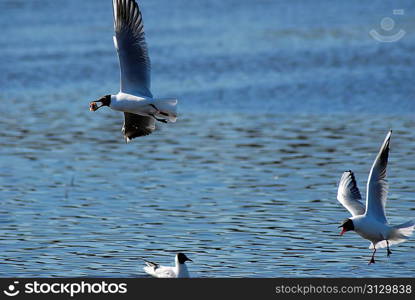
(136, 125)
(129, 40)
(348, 194)
(377, 186)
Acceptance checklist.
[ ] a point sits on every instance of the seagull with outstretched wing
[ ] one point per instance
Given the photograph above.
(370, 221)
(135, 99)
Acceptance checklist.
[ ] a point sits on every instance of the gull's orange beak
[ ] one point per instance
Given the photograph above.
(343, 231)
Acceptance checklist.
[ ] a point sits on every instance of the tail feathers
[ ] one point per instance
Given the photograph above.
(399, 234)
(167, 109)
(405, 230)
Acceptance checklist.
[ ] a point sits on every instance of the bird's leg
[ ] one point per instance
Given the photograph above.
(389, 250)
(372, 260)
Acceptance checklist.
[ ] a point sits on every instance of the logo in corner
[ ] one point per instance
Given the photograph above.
(388, 24)
(11, 290)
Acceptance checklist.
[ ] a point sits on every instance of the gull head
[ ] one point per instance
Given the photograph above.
(105, 101)
(182, 258)
(347, 225)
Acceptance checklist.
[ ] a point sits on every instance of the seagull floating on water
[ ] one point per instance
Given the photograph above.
(178, 271)
(135, 99)
(370, 221)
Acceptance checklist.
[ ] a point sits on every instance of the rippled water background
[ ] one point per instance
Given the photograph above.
(277, 99)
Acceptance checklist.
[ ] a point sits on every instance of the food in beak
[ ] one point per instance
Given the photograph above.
(93, 106)
(343, 231)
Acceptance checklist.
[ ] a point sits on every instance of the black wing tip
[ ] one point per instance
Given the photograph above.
(349, 173)
(353, 178)
(136, 126)
(129, 138)
(348, 181)
(151, 264)
(127, 6)
(138, 133)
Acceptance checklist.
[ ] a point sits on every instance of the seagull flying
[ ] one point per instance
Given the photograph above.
(370, 221)
(178, 271)
(140, 109)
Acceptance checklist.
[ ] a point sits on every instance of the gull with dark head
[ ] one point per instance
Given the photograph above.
(370, 221)
(178, 271)
(141, 109)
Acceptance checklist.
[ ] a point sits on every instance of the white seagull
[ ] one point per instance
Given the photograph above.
(140, 109)
(370, 221)
(178, 271)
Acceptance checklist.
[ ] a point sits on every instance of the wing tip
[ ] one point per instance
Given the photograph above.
(150, 265)
(386, 144)
(129, 138)
(348, 173)
(388, 136)
(136, 126)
